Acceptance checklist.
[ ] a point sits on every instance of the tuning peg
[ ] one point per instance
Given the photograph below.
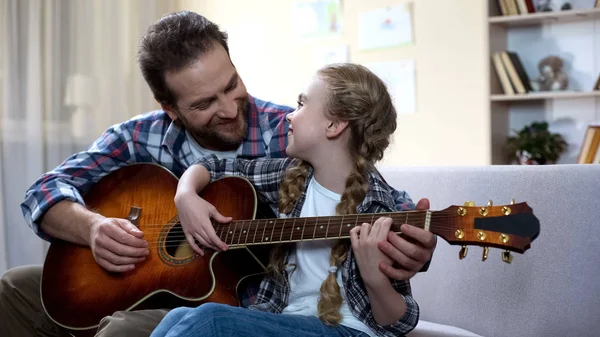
(506, 256)
(469, 203)
(490, 203)
(485, 253)
(463, 252)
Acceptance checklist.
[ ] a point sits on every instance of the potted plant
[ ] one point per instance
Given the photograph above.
(535, 145)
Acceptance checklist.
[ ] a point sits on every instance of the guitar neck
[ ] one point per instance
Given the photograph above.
(283, 230)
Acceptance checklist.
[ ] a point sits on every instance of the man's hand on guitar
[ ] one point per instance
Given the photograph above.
(411, 252)
(194, 215)
(117, 244)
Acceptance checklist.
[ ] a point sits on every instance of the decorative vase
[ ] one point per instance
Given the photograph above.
(525, 158)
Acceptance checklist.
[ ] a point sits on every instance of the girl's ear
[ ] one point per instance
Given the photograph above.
(335, 128)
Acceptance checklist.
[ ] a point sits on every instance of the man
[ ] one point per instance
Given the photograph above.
(205, 109)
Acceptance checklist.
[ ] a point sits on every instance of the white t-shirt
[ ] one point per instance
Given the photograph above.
(200, 152)
(311, 261)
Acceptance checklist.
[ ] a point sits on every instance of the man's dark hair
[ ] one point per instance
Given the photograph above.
(172, 43)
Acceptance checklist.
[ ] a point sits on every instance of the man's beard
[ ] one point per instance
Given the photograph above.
(222, 134)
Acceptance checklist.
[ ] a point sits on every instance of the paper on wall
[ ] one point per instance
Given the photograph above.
(400, 78)
(317, 18)
(385, 27)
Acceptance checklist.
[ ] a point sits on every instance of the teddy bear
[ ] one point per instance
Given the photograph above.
(552, 5)
(552, 77)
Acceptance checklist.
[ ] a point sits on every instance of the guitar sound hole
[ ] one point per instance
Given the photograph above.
(176, 244)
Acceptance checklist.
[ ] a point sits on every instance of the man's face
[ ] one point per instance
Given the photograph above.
(211, 101)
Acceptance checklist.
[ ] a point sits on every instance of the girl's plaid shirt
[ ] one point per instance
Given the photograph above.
(265, 174)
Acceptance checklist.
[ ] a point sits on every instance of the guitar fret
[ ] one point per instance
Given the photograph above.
(255, 230)
(292, 231)
(227, 235)
(248, 231)
(282, 228)
(327, 231)
(320, 226)
(303, 227)
(241, 232)
(220, 229)
(234, 232)
(315, 229)
(272, 230)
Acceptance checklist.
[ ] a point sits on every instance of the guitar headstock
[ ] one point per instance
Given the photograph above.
(509, 227)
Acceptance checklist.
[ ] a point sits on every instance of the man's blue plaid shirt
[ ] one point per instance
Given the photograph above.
(148, 138)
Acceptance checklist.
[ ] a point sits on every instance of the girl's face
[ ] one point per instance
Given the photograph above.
(308, 124)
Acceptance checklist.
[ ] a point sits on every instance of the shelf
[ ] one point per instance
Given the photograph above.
(545, 95)
(545, 17)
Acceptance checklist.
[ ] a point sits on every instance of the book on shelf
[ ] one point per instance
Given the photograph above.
(511, 73)
(524, 7)
(590, 149)
(515, 7)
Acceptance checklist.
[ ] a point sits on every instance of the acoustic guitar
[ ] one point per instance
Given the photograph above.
(77, 293)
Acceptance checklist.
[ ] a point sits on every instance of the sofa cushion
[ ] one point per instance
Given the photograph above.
(550, 290)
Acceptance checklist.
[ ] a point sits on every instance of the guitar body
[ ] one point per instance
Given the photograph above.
(77, 293)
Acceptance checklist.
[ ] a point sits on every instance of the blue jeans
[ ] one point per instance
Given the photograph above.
(213, 319)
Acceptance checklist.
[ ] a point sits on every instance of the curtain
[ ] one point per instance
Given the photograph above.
(68, 70)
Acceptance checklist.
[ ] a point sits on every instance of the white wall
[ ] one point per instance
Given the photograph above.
(451, 126)
(578, 43)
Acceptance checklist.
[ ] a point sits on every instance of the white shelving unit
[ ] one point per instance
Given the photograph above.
(570, 34)
(544, 96)
(545, 17)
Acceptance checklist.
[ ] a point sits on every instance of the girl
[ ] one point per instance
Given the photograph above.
(340, 129)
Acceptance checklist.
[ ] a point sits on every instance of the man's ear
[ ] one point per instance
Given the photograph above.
(335, 128)
(170, 111)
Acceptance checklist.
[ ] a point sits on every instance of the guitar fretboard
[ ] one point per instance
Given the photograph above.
(268, 231)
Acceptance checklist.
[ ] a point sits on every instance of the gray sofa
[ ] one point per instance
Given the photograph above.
(553, 289)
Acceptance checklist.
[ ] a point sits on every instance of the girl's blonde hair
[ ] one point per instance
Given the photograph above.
(358, 96)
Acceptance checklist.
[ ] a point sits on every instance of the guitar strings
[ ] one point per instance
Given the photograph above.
(177, 229)
(158, 228)
(439, 215)
(154, 228)
(172, 244)
(324, 220)
(177, 237)
(250, 239)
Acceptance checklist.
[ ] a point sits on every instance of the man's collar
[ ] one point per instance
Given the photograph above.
(175, 135)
